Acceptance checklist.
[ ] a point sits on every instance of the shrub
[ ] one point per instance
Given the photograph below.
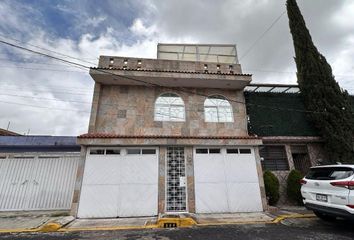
(293, 187)
(271, 184)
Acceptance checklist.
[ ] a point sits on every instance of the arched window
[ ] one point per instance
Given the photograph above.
(169, 107)
(218, 109)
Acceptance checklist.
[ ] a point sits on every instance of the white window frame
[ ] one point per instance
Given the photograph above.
(170, 106)
(220, 110)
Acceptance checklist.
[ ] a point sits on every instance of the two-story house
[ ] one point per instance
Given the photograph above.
(169, 135)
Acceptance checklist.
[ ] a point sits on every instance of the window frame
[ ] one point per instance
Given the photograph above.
(170, 106)
(228, 110)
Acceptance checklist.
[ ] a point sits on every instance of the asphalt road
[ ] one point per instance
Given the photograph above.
(289, 229)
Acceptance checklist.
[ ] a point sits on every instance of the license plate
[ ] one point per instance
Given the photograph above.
(321, 197)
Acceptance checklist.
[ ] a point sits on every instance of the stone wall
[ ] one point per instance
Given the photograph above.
(129, 110)
(315, 152)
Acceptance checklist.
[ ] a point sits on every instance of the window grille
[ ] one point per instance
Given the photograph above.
(274, 158)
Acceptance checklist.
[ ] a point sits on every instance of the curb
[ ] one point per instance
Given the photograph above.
(59, 226)
(283, 217)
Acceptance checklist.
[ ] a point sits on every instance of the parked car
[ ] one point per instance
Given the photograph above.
(329, 191)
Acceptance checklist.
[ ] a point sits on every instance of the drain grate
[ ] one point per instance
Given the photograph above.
(170, 225)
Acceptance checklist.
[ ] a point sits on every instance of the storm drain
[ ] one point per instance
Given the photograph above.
(170, 225)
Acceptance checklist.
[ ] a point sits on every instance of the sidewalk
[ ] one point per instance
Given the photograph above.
(69, 224)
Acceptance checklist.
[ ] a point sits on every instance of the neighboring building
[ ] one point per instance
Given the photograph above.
(276, 114)
(169, 135)
(37, 172)
(4, 132)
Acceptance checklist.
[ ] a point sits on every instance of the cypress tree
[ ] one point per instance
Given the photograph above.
(328, 106)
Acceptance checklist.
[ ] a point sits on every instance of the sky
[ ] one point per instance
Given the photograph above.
(41, 96)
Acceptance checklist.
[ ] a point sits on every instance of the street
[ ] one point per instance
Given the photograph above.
(312, 228)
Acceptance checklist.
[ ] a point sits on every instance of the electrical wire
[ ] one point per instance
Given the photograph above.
(261, 36)
(136, 80)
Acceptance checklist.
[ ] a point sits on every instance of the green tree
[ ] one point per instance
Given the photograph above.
(328, 105)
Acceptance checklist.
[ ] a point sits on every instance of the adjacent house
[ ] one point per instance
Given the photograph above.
(37, 172)
(169, 135)
(276, 114)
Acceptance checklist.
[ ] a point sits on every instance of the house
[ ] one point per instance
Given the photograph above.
(37, 172)
(169, 135)
(276, 114)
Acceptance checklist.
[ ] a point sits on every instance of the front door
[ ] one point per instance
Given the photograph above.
(175, 180)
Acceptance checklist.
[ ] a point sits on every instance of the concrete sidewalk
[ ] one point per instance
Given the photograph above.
(232, 218)
(111, 224)
(69, 224)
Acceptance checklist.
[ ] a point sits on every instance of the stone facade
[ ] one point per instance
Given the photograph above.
(129, 110)
(123, 114)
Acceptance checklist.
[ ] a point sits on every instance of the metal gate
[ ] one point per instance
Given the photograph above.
(44, 182)
(175, 180)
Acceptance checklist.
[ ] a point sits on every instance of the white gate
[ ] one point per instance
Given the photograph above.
(226, 180)
(44, 182)
(119, 183)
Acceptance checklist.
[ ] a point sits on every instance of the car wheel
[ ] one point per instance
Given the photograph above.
(324, 217)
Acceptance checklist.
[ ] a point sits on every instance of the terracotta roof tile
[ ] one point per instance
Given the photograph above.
(171, 71)
(111, 135)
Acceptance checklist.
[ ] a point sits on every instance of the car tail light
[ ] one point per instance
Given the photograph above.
(302, 181)
(345, 184)
(351, 206)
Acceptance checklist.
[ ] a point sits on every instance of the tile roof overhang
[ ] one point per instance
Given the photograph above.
(109, 135)
(170, 78)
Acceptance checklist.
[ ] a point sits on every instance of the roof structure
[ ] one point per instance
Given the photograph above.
(274, 88)
(38, 143)
(108, 135)
(216, 53)
(4, 132)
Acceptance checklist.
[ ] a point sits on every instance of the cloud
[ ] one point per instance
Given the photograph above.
(133, 29)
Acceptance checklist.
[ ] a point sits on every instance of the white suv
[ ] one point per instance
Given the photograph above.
(329, 191)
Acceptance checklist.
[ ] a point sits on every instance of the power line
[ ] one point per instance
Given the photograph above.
(60, 92)
(261, 36)
(133, 79)
(45, 49)
(42, 69)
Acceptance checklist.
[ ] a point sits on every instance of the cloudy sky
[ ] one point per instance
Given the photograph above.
(46, 97)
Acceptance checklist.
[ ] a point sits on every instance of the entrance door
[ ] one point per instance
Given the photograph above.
(176, 180)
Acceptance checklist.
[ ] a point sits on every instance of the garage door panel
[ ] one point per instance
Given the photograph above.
(241, 169)
(244, 197)
(138, 200)
(126, 185)
(227, 182)
(210, 169)
(99, 201)
(139, 169)
(207, 194)
(97, 173)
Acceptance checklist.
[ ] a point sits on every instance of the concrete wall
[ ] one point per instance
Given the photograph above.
(129, 110)
(171, 65)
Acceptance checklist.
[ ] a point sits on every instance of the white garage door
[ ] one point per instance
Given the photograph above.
(226, 180)
(37, 182)
(119, 183)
